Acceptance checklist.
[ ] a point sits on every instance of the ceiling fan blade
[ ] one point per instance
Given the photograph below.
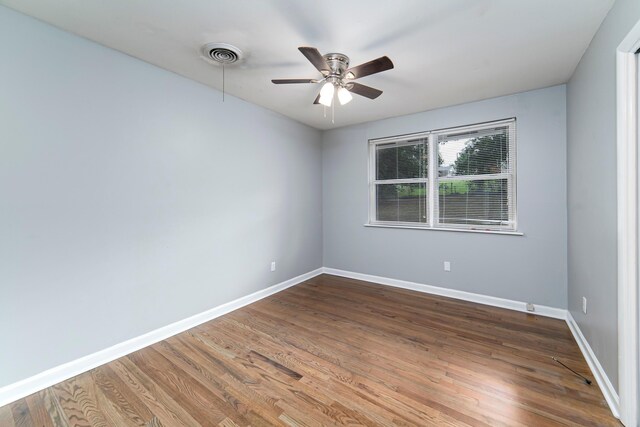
(289, 81)
(315, 58)
(366, 91)
(376, 66)
(317, 101)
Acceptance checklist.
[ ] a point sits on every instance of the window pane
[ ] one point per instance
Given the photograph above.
(402, 162)
(401, 202)
(485, 151)
(480, 202)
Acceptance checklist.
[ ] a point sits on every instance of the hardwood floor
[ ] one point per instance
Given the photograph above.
(338, 351)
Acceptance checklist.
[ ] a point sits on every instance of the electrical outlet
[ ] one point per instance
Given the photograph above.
(584, 305)
(531, 307)
(273, 266)
(447, 266)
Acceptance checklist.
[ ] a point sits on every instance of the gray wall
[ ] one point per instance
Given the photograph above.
(527, 268)
(591, 181)
(131, 197)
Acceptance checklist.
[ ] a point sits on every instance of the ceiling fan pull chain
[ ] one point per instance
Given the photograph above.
(333, 109)
(222, 82)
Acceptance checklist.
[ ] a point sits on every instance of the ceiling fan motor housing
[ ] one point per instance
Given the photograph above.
(338, 63)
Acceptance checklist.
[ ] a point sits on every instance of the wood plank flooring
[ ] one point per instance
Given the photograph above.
(335, 351)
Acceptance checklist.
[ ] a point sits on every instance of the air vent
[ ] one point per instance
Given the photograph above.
(221, 53)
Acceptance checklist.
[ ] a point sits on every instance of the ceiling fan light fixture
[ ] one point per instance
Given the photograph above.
(326, 94)
(344, 96)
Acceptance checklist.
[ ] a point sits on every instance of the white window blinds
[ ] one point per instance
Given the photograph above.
(472, 187)
(475, 177)
(401, 181)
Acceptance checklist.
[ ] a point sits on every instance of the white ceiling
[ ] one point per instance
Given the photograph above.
(445, 52)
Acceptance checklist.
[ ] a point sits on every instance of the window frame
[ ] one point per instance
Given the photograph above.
(433, 179)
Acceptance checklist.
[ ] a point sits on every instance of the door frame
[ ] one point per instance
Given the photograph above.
(627, 188)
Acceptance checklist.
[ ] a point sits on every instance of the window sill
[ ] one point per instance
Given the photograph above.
(464, 230)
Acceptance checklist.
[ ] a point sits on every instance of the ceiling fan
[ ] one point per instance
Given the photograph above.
(338, 77)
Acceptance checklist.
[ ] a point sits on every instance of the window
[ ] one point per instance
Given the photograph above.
(472, 186)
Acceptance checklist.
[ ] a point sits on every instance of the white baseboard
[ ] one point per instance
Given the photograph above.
(609, 392)
(542, 310)
(23, 388)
